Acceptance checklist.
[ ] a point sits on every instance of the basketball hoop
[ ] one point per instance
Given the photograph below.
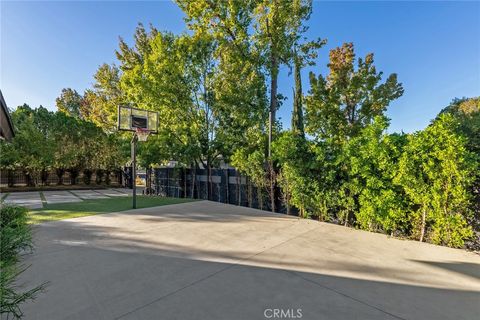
(142, 123)
(142, 134)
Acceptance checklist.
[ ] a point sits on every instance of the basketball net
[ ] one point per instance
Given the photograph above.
(142, 134)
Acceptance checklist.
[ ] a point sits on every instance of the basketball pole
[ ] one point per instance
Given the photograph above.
(134, 170)
(142, 123)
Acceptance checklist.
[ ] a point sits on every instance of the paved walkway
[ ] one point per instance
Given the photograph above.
(30, 200)
(205, 260)
(33, 200)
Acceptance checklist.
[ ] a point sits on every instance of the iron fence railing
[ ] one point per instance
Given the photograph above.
(223, 185)
(21, 178)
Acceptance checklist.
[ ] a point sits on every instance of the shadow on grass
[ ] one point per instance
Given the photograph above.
(60, 211)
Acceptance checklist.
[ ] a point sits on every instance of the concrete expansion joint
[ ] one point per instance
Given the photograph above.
(231, 265)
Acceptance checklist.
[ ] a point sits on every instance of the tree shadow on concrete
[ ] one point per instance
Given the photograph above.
(464, 268)
(107, 272)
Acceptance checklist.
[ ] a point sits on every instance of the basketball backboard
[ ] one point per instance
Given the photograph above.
(131, 119)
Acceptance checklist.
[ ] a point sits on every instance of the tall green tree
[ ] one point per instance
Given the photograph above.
(101, 102)
(240, 95)
(33, 144)
(338, 107)
(297, 114)
(435, 171)
(467, 112)
(296, 180)
(373, 157)
(154, 77)
(177, 76)
(304, 54)
(249, 159)
(48, 140)
(270, 27)
(70, 102)
(278, 24)
(341, 104)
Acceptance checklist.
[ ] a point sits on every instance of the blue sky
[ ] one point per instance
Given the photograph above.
(433, 46)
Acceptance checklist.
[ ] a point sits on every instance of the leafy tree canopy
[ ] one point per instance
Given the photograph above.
(349, 98)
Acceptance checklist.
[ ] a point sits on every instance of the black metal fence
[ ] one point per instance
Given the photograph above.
(226, 186)
(20, 178)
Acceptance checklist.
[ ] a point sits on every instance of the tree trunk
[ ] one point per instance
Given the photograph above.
(272, 185)
(287, 202)
(297, 115)
(250, 197)
(107, 177)
(99, 173)
(44, 176)
(87, 176)
(193, 173)
(10, 178)
(209, 180)
(424, 215)
(29, 179)
(149, 181)
(272, 117)
(184, 182)
(273, 90)
(227, 185)
(74, 173)
(238, 189)
(60, 172)
(260, 198)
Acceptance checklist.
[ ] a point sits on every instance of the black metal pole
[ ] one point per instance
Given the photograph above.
(134, 170)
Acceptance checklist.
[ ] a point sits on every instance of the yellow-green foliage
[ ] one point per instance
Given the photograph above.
(435, 171)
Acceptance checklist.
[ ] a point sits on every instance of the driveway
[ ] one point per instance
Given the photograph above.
(206, 260)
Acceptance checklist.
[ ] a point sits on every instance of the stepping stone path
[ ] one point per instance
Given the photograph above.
(89, 194)
(60, 197)
(127, 191)
(114, 193)
(33, 200)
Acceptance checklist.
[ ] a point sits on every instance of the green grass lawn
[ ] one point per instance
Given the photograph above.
(60, 211)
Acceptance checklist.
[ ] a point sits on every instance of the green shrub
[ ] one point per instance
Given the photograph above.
(451, 230)
(15, 239)
(15, 233)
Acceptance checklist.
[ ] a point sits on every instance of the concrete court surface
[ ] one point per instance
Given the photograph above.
(206, 260)
(33, 200)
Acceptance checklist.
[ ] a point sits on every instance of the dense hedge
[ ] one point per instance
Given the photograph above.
(423, 185)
